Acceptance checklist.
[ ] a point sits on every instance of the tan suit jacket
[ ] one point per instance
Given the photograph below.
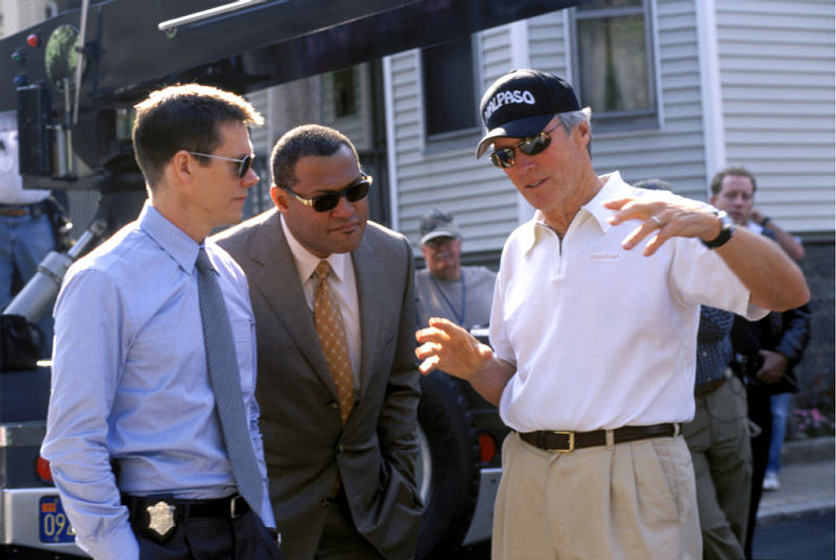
(305, 446)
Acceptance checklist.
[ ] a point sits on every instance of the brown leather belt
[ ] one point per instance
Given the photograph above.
(14, 212)
(708, 387)
(569, 441)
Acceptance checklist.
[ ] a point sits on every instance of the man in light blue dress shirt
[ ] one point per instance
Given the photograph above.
(133, 437)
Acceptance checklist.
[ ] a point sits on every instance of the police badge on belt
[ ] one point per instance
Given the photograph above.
(160, 520)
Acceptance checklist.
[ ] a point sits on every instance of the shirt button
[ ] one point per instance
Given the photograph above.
(333, 405)
(325, 502)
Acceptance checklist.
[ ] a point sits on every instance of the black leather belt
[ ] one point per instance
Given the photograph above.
(226, 508)
(708, 387)
(569, 441)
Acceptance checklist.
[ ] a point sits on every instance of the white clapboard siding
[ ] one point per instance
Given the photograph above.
(776, 62)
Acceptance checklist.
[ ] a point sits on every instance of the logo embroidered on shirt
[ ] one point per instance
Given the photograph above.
(604, 256)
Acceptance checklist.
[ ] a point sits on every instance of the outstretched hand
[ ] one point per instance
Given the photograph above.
(662, 219)
(449, 347)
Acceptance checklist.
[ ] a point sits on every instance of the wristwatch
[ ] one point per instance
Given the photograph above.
(726, 231)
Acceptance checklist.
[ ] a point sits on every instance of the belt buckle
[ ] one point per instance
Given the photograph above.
(571, 436)
(232, 506)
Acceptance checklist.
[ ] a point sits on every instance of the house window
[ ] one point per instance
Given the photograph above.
(449, 87)
(613, 63)
(345, 103)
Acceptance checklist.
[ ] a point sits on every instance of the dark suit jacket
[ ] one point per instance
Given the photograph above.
(305, 446)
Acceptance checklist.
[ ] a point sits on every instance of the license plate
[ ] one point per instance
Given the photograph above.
(54, 525)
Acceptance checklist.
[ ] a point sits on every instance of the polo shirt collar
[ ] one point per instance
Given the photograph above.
(613, 187)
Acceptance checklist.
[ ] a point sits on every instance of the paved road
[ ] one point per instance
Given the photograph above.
(806, 537)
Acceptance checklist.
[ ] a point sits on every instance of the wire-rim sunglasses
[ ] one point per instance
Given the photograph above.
(244, 164)
(505, 158)
(329, 201)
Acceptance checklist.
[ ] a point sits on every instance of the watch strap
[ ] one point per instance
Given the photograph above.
(726, 231)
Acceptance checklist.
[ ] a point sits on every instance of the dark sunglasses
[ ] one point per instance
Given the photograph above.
(325, 202)
(244, 164)
(504, 157)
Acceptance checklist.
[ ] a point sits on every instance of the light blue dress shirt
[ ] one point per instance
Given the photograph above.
(129, 382)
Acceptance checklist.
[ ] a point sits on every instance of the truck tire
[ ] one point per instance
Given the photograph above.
(449, 466)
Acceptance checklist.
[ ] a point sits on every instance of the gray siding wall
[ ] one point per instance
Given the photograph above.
(443, 175)
(357, 126)
(484, 202)
(302, 102)
(775, 107)
(449, 177)
(262, 136)
(777, 79)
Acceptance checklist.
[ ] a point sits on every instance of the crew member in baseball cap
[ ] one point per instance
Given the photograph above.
(445, 288)
(521, 103)
(593, 342)
(438, 224)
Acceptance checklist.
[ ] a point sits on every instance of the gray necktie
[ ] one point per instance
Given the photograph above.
(225, 380)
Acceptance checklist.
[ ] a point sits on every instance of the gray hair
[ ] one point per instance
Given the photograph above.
(571, 119)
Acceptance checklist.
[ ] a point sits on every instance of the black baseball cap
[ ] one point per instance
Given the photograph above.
(521, 103)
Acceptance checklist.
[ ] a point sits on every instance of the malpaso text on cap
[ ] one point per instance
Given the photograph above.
(506, 98)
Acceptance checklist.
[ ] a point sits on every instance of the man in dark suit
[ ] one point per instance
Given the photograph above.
(341, 463)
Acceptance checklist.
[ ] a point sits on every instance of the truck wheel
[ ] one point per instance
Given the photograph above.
(449, 465)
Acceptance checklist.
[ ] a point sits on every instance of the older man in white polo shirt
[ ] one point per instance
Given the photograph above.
(594, 344)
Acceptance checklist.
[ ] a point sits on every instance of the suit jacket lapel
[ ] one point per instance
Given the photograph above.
(371, 283)
(278, 280)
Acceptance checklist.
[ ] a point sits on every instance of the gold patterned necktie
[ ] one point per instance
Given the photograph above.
(332, 338)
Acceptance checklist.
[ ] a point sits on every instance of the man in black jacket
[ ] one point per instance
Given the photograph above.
(766, 350)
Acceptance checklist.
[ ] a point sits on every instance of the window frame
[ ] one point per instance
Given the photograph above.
(616, 121)
(341, 106)
(459, 138)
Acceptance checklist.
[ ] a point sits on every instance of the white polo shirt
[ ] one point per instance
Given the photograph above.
(602, 337)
